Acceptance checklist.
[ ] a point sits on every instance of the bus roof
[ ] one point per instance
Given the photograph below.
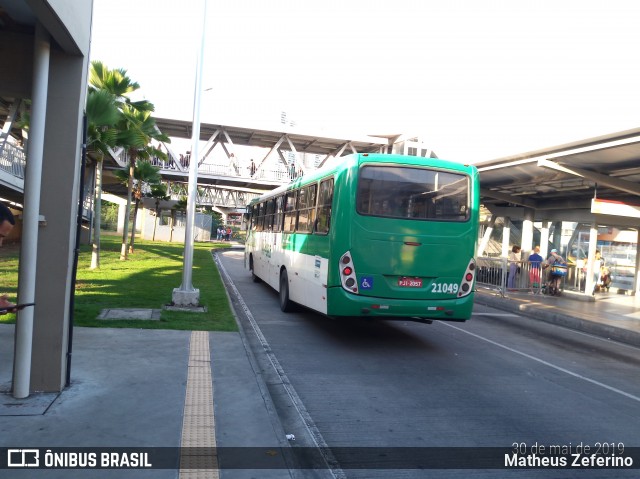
(342, 162)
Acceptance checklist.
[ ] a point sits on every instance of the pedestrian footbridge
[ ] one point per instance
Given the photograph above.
(229, 175)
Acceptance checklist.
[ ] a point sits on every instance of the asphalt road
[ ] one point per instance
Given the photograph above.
(496, 381)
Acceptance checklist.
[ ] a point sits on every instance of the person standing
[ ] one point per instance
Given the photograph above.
(555, 277)
(7, 222)
(514, 258)
(535, 261)
(598, 264)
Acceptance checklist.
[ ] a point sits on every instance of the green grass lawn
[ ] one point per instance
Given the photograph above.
(145, 280)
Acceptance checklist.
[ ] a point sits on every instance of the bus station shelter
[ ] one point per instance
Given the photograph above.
(593, 182)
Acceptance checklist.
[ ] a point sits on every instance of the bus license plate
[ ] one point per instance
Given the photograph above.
(410, 282)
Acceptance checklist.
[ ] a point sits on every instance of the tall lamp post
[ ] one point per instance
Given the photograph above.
(186, 295)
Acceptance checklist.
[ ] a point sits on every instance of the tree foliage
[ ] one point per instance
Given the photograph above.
(135, 129)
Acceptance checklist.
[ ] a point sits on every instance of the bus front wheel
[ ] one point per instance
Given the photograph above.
(286, 305)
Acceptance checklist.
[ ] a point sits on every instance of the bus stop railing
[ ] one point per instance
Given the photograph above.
(492, 274)
(503, 276)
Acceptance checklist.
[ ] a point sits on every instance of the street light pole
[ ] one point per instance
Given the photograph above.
(186, 294)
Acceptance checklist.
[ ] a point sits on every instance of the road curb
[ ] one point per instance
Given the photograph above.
(282, 407)
(554, 316)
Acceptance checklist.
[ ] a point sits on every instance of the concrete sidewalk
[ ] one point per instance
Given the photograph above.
(128, 390)
(608, 315)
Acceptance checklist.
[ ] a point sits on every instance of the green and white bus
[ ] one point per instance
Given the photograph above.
(371, 235)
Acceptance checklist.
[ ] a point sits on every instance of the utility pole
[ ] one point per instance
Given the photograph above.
(186, 295)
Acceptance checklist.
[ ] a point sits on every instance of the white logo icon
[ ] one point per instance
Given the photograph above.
(23, 458)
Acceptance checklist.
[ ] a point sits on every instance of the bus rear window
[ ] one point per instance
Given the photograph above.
(413, 193)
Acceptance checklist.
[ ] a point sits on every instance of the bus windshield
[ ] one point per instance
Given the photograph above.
(412, 193)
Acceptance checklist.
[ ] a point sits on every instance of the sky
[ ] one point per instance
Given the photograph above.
(475, 79)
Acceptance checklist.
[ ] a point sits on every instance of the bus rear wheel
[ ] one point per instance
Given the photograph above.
(286, 305)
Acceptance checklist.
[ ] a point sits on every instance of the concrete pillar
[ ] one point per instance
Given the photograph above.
(141, 221)
(544, 239)
(122, 212)
(506, 234)
(527, 233)
(31, 214)
(59, 204)
(557, 236)
(591, 256)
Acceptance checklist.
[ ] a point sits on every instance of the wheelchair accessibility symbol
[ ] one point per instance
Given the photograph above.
(366, 282)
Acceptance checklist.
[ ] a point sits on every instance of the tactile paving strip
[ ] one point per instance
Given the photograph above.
(198, 424)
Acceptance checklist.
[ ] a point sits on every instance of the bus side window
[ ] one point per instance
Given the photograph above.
(259, 216)
(303, 211)
(325, 197)
(313, 200)
(269, 215)
(306, 208)
(277, 227)
(252, 218)
(263, 216)
(290, 215)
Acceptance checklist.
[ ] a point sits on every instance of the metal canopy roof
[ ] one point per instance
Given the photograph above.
(302, 141)
(567, 176)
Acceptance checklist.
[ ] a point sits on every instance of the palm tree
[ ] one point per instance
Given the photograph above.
(137, 130)
(118, 84)
(136, 127)
(102, 115)
(144, 174)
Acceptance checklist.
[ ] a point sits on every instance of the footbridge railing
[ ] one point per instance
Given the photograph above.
(277, 173)
(13, 160)
(212, 195)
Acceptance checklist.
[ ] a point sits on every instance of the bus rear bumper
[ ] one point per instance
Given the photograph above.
(350, 305)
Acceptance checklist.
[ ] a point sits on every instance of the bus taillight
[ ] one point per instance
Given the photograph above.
(348, 274)
(467, 280)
